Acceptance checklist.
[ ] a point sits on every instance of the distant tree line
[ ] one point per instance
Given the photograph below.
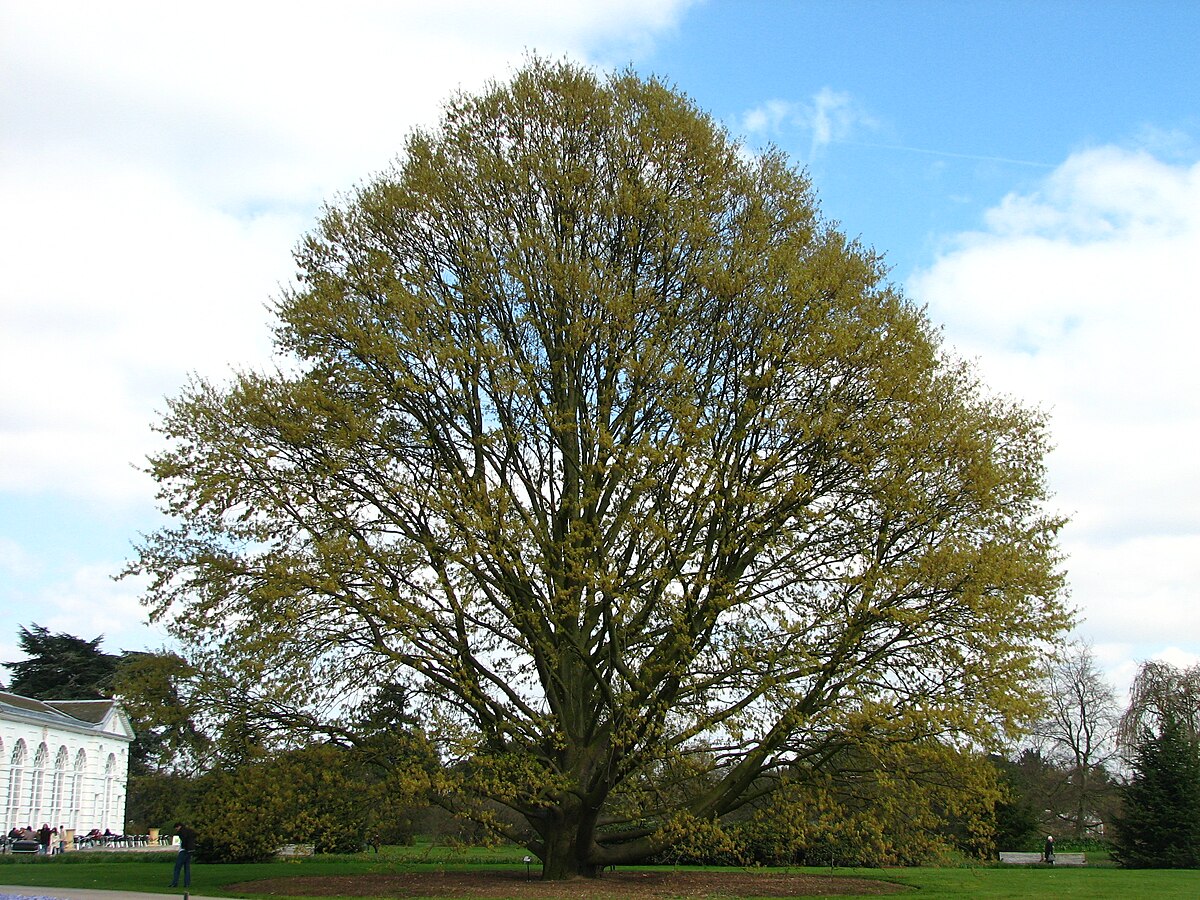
(1091, 776)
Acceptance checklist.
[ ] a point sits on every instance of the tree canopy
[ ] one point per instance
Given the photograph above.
(636, 474)
(61, 666)
(1161, 691)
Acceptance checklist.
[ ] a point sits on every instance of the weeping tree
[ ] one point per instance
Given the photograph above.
(635, 472)
(1161, 691)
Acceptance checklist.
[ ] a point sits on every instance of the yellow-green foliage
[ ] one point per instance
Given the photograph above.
(320, 795)
(690, 840)
(598, 436)
(885, 804)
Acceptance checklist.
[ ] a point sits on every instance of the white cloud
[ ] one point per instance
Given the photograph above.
(311, 95)
(771, 116)
(1082, 298)
(834, 114)
(828, 116)
(117, 285)
(160, 161)
(15, 560)
(85, 602)
(1104, 193)
(90, 603)
(157, 164)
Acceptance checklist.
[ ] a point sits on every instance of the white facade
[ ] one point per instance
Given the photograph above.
(64, 763)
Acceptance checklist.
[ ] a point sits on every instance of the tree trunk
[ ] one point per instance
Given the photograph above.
(1081, 803)
(567, 848)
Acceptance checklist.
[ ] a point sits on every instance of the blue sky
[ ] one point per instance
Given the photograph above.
(1031, 172)
(946, 107)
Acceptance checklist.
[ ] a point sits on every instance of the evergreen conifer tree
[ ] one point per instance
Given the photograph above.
(61, 666)
(1160, 827)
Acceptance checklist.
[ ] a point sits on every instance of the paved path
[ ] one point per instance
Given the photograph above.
(6, 893)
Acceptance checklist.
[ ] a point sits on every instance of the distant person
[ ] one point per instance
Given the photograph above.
(183, 860)
(44, 839)
(1048, 850)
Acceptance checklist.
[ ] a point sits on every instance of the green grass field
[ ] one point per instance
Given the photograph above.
(151, 873)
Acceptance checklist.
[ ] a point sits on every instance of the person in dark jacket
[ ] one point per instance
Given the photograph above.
(1048, 850)
(183, 860)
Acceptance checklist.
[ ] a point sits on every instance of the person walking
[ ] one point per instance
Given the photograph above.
(183, 860)
(1048, 850)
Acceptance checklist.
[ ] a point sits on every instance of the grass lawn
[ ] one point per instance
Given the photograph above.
(1014, 882)
(152, 872)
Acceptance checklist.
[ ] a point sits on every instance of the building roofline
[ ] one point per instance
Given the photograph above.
(42, 712)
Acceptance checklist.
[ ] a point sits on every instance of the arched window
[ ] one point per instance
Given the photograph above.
(16, 778)
(58, 787)
(75, 805)
(37, 785)
(5, 825)
(107, 813)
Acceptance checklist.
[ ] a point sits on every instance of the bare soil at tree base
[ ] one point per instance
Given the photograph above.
(485, 885)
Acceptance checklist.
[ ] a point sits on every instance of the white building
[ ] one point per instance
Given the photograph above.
(64, 763)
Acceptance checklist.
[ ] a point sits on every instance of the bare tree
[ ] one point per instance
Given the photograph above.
(1078, 734)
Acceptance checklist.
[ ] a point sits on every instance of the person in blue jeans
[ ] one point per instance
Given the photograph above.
(183, 861)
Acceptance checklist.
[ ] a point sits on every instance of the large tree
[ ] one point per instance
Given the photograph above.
(597, 437)
(61, 666)
(1159, 826)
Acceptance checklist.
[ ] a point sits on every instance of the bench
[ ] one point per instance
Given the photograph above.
(288, 851)
(1030, 859)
